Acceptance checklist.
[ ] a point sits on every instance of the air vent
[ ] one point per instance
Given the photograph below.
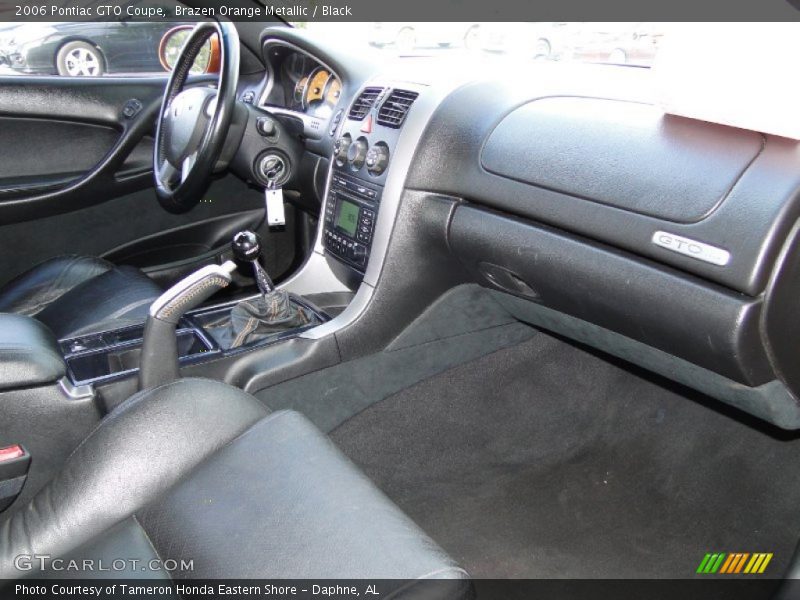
(363, 103)
(394, 110)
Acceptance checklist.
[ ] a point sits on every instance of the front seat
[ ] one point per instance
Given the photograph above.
(75, 295)
(200, 473)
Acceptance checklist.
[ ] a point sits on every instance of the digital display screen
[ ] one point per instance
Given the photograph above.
(347, 219)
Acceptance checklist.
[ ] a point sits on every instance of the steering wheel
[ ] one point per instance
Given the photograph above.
(193, 123)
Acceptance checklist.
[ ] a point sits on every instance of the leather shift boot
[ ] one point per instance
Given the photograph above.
(261, 316)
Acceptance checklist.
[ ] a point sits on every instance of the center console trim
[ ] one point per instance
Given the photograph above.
(76, 388)
(316, 275)
(80, 383)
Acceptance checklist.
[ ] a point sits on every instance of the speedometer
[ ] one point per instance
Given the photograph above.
(315, 88)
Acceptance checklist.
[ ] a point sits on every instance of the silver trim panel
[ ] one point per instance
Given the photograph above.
(75, 392)
(692, 248)
(418, 117)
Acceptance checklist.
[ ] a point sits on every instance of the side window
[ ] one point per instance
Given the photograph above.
(129, 47)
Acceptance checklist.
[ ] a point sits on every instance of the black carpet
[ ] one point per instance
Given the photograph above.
(547, 460)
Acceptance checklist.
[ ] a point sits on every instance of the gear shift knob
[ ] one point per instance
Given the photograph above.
(273, 311)
(246, 247)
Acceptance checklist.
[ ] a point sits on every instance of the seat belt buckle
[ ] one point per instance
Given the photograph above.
(15, 462)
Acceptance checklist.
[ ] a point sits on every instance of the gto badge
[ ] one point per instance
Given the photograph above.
(693, 248)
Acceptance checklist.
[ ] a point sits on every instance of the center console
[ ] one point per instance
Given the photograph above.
(53, 392)
(102, 357)
(202, 335)
(361, 158)
(350, 219)
(180, 331)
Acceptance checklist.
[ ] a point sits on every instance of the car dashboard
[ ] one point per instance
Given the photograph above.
(666, 241)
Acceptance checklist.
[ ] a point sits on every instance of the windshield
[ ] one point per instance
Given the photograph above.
(634, 44)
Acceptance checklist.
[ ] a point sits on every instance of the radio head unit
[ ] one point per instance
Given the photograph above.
(350, 212)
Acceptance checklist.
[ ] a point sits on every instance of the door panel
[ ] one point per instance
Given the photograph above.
(126, 229)
(77, 179)
(169, 255)
(90, 108)
(186, 241)
(24, 156)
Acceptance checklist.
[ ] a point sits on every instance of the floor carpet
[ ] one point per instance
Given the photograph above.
(549, 460)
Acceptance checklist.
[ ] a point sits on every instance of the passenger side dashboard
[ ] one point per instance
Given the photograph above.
(583, 198)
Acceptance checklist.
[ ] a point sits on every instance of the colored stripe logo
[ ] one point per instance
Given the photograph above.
(734, 563)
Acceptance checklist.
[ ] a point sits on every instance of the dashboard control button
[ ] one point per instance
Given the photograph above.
(359, 253)
(266, 126)
(357, 153)
(367, 126)
(341, 148)
(131, 108)
(377, 159)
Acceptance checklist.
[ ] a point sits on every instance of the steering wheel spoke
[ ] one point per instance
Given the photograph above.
(186, 166)
(166, 173)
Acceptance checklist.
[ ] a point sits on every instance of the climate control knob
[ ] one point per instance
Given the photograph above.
(359, 253)
(377, 159)
(340, 148)
(357, 153)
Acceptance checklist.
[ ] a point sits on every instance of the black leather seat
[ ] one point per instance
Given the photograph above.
(198, 471)
(73, 295)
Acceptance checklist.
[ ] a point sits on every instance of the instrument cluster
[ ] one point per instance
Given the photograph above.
(308, 86)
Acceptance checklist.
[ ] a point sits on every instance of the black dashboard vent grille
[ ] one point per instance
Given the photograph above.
(394, 110)
(363, 103)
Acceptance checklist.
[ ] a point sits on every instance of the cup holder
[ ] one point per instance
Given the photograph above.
(95, 364)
